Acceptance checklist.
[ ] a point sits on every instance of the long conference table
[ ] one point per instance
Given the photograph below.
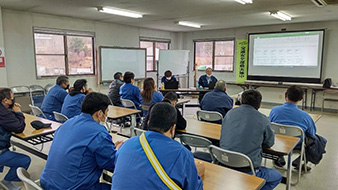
(283, 144)
(217, 177)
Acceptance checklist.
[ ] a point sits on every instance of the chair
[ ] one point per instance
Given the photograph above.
(27, 181)
(230, 158)
(37, 94)
(22, 96)
(128, 103)
(211, 116)
(60, 117)
(145, 108)
(138, 131)
(48, 87)
(197, 142)
(37, 111)
(329, 99)
(295, 132)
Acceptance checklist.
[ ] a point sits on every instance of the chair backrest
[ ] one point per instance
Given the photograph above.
(20, 89)
(208, 115)
(37, 90)
(27, 181)
(138, 131)
(60, 117)
(195, 141)
(287, 130)
(128, 103)
(230, 158)
(37, 111)
(48, 87)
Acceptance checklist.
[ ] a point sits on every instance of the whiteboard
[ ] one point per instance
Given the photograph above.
(174, 60)
(117, 59)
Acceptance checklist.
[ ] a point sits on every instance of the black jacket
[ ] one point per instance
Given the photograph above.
(10, 121)
(181, 123)
(114, 92)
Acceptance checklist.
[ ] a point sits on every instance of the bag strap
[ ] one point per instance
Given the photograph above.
(156, 164)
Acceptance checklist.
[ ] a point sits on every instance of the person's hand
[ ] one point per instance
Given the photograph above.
(89, 90)
(17, 107)
(200, 168)
(118, 144)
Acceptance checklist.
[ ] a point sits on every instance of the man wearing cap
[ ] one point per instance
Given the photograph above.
(11, 121)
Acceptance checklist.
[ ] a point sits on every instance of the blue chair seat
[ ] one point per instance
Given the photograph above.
(205, 156)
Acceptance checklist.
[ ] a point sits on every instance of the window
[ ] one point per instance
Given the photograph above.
(217, 54)
(153, 50)
(63, 54)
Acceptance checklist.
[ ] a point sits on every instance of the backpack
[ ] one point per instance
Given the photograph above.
(327, 83)
(315, 148)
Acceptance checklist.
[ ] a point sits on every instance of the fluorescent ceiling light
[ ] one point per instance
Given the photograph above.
(189, 24)
(243, 1)
(280, 15)
(119, 12)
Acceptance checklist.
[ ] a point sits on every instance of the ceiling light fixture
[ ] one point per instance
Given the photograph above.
(119, 12)
(243, 1)
(281, 15)
(189, 24)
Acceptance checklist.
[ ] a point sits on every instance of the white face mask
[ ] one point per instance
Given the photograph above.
(208, 76)
(102, 122)
(168, 78)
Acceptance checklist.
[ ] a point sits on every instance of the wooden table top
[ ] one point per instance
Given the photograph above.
(182, 101)
(266, 111)
(283, 144)
(30, 132)
(217, 177)
(117, 112)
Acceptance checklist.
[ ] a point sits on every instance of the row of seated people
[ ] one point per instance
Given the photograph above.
(83, 157)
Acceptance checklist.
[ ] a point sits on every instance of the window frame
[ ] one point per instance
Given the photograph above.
(64, 34)
(213, 53)
(154, 41)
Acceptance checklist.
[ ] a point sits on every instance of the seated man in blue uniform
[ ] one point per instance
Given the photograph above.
(129, 91)
(217, 100)
(290, 114)
(204, 80)
(168, 77)
(81, 149)
(72, 104)
(11, 121)
(246, 130)
(133, 168)
(55, 97)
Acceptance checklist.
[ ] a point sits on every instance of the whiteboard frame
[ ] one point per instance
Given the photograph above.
(123, 48)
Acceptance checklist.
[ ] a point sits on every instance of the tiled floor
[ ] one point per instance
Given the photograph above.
(321, 177)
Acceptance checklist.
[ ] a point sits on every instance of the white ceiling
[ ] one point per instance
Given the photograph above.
(162, 14)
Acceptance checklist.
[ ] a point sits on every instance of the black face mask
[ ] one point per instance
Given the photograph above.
(67, 87)
(12, 105)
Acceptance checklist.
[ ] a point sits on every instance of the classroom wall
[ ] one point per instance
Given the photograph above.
(330, 57)
(3, 71)
(18, 35)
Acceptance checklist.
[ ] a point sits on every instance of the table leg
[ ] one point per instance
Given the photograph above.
(132, 124)
(289, 173)
(305, 99)
(183, 107)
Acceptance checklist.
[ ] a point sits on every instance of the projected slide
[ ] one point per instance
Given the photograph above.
(286, 50)
(286, 56)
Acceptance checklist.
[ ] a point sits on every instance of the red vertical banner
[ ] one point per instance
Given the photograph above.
(2, 57)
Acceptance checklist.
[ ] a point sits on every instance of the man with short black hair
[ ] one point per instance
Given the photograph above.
(81, 149)
(72, 104)
(129, 91)
(217, 100)
(114, 89)
(290, 114)
(168, 77)
(246, 130)
(134, 169)
(11, 121)
(55, 97)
